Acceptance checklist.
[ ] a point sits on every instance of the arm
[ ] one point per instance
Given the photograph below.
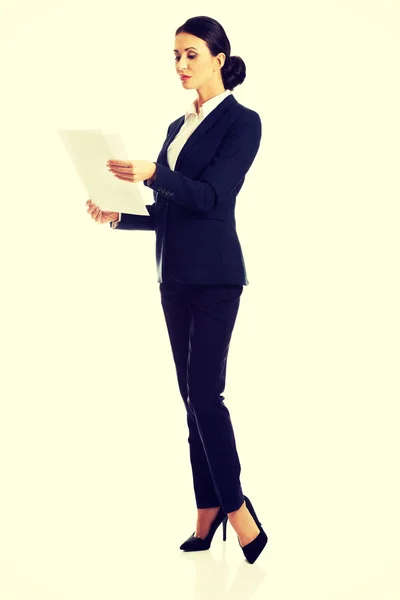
(230, 164)
(143, 222)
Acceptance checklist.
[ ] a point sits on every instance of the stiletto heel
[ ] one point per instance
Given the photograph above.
(194, 543)
(254, 548)
(224, 524)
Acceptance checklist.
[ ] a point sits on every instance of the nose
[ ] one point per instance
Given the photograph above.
(181, 65)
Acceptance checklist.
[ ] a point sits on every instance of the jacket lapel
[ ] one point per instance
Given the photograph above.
(204, 126)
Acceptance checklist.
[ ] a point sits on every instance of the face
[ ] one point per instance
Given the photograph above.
(193, 58)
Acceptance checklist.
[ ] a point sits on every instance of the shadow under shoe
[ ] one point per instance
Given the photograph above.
(194, 543)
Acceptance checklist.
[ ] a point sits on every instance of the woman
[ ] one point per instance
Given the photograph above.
(195, 180)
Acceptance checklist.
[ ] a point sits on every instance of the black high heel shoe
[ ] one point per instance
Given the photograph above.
(194, 543)
(254, 548)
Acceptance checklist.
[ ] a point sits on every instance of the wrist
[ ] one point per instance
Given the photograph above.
(115, 222)
(153, 175)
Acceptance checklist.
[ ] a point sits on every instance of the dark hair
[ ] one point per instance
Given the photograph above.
(234, 70)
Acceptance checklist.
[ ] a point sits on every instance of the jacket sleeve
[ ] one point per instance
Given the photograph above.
(143, 222)
(229, 166)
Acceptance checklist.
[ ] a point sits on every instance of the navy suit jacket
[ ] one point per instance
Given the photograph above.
(193, 215)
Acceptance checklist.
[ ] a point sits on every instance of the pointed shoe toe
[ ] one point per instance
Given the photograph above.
(253, 550)
(194, 543)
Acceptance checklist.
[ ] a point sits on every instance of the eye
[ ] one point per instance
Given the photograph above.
(191, 56)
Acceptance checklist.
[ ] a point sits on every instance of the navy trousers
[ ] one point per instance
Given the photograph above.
(200, 321)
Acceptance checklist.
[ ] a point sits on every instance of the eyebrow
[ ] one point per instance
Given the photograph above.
(187, 48)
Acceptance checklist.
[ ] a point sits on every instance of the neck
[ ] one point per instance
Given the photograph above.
(203, 97)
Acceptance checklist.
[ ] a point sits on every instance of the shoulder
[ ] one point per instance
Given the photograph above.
(244, 122)
(175, 123)
(244, 114)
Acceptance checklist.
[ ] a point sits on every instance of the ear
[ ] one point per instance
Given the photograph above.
(221, 59)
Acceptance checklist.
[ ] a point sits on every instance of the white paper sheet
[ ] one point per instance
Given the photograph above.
(89, 150)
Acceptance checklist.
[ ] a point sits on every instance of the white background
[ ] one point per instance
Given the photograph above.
(96, 491)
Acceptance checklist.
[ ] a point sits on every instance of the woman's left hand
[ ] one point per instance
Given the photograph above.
(132, 170)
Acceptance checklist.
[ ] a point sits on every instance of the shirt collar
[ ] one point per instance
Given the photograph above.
(208, 106)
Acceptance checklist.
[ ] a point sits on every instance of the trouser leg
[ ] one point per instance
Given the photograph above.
(174, 300)
(214, 310)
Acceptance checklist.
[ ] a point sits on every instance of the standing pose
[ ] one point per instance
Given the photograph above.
(195, 181)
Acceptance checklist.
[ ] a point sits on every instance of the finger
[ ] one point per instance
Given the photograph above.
(118, 172)
(125, 177)
(121, 169)
(119, 163)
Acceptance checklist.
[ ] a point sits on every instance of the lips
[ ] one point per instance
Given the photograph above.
(185, 77)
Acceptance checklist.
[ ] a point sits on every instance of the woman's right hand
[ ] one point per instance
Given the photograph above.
(101, 216)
